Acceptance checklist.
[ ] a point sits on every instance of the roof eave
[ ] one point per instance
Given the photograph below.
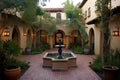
(82, 4)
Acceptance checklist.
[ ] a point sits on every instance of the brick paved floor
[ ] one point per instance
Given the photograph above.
(37, 72)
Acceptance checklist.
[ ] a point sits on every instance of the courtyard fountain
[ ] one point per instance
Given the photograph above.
(59, 60)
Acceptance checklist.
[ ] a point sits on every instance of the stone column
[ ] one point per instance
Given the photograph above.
(67, 40)
(50, 41)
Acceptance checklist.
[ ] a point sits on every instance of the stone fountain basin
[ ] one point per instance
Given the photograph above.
(49, 60)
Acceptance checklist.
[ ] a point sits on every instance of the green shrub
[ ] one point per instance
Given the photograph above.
(11, 63)
(1, 44)
(11, 48)
(114, 58)
(76, 48)
(97, 64)
(40, 48)
(22, 64)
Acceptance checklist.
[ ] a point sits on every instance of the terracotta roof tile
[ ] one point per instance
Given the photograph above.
(54, 9)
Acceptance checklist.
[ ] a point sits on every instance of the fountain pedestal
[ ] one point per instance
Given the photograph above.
(59, 51)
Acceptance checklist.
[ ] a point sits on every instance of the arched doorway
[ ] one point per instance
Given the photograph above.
(59, 35)
(16, 35)
(91, 33)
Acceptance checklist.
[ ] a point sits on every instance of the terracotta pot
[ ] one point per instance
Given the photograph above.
(110, 72)
(12, 74)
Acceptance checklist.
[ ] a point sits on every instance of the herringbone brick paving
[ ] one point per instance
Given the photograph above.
(37, 72)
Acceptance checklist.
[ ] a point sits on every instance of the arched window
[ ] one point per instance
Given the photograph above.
(58, 16)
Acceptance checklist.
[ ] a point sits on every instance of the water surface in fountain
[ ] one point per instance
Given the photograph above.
(55, 55)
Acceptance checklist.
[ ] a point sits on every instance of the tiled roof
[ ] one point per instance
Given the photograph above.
(116, 10)
(82, 4)
(54, 9)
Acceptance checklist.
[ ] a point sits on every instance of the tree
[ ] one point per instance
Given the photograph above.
(74, 14)
(104, 13)
(49, 23)
(29, 14)
(105, 29)
(27, 8)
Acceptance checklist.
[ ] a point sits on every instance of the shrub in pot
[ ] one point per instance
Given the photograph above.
(86, 49)
(110, 72)
(12, 50)
(2, 60)
(112, 67)
(12, 69)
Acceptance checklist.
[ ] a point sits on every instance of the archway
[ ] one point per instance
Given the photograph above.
(16, 35)
(91, 33)
(59, 35)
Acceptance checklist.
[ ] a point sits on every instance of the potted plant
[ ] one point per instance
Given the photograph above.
(111, 69)
(2, 60)
(86, 49)
(12, 69)
(110, 72)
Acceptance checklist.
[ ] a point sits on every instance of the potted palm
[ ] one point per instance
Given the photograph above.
(12, 69)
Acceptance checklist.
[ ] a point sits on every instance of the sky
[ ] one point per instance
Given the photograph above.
(57, 3)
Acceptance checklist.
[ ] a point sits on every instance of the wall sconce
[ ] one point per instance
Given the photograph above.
(24, 34)
(33, 34)
(116, 29)
(116, 33)
(6, 32)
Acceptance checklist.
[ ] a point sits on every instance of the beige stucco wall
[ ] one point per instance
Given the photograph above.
(63, 15)
(64, 28)
(97, 35)
(89, 4)
(115, 40)
(115, 3)
(114, 24)
(10, 24)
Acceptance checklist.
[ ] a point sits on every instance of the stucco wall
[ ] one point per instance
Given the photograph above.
(63, 15)
(97, 37)
(10, 23)
(114, 24)
(115, 3)
(89, 4)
